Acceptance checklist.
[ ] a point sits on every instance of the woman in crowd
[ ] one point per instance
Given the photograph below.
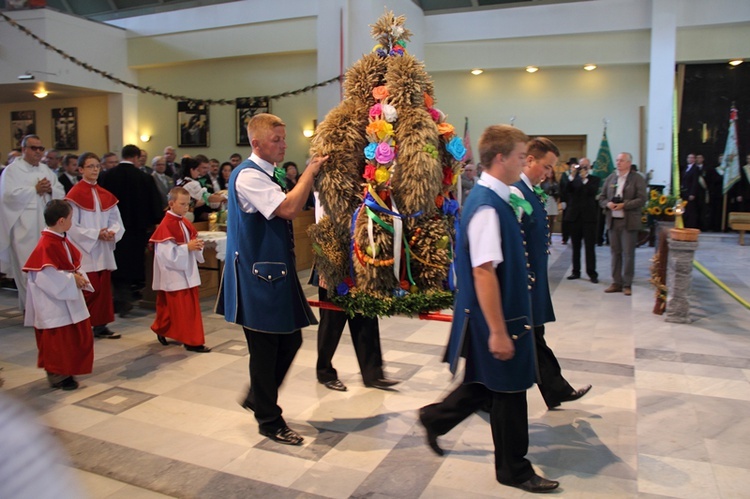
(225, 170)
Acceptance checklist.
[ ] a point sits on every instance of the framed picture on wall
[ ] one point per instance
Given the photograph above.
(247, 107)
(65, 128)
(192, 123)
(22, 123)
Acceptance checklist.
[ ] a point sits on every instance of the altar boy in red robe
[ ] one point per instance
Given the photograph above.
(177, 252)
(55, 306)
(97, 226)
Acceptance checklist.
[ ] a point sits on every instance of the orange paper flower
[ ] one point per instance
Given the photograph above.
(428, 101)
(445, 129)
(380, 92)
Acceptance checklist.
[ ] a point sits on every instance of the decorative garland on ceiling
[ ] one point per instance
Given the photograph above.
(149, 90)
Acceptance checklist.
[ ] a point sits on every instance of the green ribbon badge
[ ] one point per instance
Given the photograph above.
(280, 176)
(540, 192)
(518, 203)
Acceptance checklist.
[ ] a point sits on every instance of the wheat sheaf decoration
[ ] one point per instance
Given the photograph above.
(385, 243)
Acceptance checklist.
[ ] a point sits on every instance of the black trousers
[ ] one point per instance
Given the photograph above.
(509, 421)
(586, 232)
(365, 333)
(270, 358)
(564, 227)
(552, 385)
(130, 256)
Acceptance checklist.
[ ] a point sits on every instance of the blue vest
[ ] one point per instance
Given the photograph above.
(536, 232)
(469, 332)
(260, 289)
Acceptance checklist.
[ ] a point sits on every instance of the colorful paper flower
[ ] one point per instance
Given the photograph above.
(456, 148)
(375, 111)
(370, 150)
(382, 175)
(380, 92)
(428, 100)
(369, 172)
(447, 175)
(434, 113)
(389, 112)
(380, 128)
(432, 150)
(445, 129)
(384, 153)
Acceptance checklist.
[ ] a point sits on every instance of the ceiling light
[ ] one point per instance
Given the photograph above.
(477, 72)
(736, 62)
(41, 94)
(531, 69)
(589, 67)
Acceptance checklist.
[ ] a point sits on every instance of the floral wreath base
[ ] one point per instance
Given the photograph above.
(410, 305)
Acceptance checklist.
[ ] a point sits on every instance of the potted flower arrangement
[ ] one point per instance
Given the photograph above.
(659, 207)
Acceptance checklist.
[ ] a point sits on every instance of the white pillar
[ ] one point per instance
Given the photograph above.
(661, 89)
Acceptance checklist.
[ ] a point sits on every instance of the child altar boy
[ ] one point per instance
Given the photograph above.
(55, 306)
(177, 251)
(97, 226)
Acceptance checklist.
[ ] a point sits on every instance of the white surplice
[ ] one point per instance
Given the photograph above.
(175, 267)
(96, 254)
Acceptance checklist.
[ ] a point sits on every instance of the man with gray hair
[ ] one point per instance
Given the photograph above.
(622, 197)
(26, 186)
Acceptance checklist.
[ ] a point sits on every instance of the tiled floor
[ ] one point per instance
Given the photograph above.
(669, 414)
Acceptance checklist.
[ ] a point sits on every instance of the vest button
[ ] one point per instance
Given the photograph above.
(269, 276)
(514, 336)
(283, 272)
(256, 271)
(527, 327)
(529, 287)
(466, 310)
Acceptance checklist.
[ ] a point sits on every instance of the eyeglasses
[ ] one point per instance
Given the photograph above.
(36, 148)
(92, 167)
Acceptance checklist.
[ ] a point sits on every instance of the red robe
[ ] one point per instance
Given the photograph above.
(99, 302)
(68, 349)
(178, 313)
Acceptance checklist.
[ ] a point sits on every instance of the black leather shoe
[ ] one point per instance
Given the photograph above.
(382, 383)
(535, 485)
(284, 435)
(67, 384)
(431, 435)
(107, 334)
(576, 394)
(199, 348)
(595, 280)
(162, 340)
(247, 404)
(336, 384)
(574, 276)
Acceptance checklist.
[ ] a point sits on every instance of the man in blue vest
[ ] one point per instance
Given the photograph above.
(492, 325)
(541, 158)
(260, 289)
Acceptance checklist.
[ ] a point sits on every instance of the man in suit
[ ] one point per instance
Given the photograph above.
(693, 190)
(623, 196)
(582, 215)
(140, 208)
(69, 175)
(565, 179)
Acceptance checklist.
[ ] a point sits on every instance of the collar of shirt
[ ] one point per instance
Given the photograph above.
(267, 167)
(47, 229)
(526, 181)
(128, 162)
(495, 185)
(174, 214)
(92, 184)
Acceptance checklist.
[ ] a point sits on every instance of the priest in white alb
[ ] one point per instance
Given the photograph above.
(26, 186)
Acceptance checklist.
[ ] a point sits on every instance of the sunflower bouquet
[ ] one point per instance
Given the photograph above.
(659, 207)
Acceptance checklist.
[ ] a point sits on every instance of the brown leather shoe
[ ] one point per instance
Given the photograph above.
(613, 288)
(627, 291)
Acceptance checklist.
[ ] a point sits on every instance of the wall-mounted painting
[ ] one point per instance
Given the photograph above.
(193, 125)
(247, 107)
(65, 128)
(22, 123)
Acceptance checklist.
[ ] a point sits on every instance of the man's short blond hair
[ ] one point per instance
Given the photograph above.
(262, 124)
(499, 139)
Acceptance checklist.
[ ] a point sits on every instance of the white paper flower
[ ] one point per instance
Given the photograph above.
(389, 113)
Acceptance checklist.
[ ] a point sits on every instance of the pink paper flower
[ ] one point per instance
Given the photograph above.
(384, 153)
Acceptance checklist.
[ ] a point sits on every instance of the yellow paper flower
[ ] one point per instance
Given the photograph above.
(380, 128)
(657, 211)
(663, 199)
(382, 175)
(669, 211)
(654, 194)
(644, 220)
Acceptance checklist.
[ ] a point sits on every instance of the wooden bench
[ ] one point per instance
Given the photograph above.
(740, 221)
